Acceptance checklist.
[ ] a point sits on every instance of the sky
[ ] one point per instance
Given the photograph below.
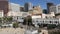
(42, 3)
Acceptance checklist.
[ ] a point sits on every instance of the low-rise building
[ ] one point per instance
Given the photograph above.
(38, 20)
(51, 15)
(1, 13)
(18, 19)
(55, 9)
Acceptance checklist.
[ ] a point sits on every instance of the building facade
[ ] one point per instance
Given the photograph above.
(4, 6)
(55, 9)
(14, 7)
(27, 7)
(45, 21)
(14, 10)
(18, 19)
(51, 15)
(37, 10)
(48, 6)
(1, 13)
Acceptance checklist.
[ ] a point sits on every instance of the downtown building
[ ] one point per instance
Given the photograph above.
(17, 12)
(27, 7)
(4, 7)
(48, 7)
(14, 12)
(56, 10)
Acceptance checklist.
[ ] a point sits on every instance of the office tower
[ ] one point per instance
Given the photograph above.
(48, 6)
(4, 6)
(27, 7)
(58, 9)
(53, 9)
(45, 11)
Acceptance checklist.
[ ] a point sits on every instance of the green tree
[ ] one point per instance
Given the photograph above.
(15, 25)
(9, 18)
(51, 26)
(29, 20)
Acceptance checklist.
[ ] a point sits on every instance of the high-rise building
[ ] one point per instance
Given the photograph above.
(27, 7)
(4, 6)
(48, 6)
(55, 9)
(45, 11)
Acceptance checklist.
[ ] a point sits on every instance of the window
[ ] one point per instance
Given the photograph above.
(50, 22)
(36, 21)
(56, 22)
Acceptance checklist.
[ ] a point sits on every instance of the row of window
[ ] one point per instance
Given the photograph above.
(46, 21)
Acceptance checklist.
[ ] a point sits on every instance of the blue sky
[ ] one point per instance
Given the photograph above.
(42, 3)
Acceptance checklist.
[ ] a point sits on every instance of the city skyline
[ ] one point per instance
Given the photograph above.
(42, 3)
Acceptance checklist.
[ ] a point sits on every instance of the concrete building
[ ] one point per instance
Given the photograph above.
(48, 6)
(58, 8)
(14, 10)
(1, 13)
(18, 19)
(14, 7)
(51, 15)
(4, 6)
(37, 10)
(55, 9)
(12, 13)
(38, 20)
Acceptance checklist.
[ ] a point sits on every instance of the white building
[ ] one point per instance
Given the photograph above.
(18, 19)
(14, 7)
(12, 13)
(14, 10)
(51, 15)
(1, 13)
(38, 20)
